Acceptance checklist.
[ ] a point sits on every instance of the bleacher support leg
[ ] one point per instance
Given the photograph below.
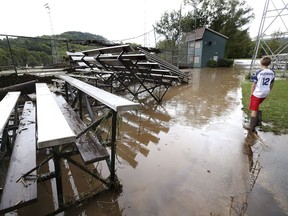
(113, 144)
(57, 165)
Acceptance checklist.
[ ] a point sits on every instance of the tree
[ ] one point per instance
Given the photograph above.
(169, 26)
(228, 17)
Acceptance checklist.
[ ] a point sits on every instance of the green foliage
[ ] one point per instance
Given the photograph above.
(225, 63)
(75, 35)
(212, 63)
(278, 41)
(38, 52)
(169, 26)
(166, 45)
(230, 19)
(274, 108)
(227, 17)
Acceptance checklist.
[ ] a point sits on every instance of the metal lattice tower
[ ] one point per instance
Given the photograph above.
(53, 46)
(274, 16)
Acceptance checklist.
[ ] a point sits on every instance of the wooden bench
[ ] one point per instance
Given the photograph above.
(52, 127)
(88, 145)
(147, 64)
(57, 126)
(92, 59)
(113, 49)
(114, 102)
(7, 105)
(19, 191)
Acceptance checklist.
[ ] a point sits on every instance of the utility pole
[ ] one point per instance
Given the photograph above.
(53, 47)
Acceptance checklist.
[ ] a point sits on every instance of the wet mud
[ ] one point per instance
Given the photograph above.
(188, 156)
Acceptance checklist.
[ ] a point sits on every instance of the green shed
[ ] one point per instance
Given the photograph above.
(203, 45)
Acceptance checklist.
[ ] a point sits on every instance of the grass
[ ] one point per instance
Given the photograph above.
(274, 108)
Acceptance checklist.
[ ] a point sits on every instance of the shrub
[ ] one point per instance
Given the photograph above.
(225, 63)
(212, 63)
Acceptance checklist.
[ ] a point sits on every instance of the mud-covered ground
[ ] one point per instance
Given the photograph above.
(13, 79)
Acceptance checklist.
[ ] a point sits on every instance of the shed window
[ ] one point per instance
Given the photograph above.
(196, 59)
(198, 44)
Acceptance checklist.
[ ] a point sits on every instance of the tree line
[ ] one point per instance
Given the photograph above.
(37, 51)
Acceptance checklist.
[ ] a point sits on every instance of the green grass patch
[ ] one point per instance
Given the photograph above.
(274, 108)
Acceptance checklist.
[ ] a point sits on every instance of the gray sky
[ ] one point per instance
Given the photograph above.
(113, 19)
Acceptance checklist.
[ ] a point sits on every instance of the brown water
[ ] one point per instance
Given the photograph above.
(188, 156)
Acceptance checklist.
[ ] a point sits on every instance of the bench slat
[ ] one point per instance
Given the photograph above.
(113, 101)
(90, 150)
(22, 160)
(113, 49)
(52, 128)
(7, 105)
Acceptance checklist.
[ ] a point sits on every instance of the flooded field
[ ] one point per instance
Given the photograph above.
(191, 156)
(196, 163)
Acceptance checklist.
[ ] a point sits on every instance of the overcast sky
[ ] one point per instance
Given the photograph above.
(113, 19)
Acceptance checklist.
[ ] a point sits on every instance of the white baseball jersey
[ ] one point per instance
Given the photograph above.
(263, 79)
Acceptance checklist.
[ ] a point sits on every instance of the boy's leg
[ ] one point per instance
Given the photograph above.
(252, 125)
(254, 106)
(259, 118)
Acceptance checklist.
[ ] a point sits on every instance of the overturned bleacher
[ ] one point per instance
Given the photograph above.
(122, 68)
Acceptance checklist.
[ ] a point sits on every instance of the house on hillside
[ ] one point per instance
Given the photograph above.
(203, 44)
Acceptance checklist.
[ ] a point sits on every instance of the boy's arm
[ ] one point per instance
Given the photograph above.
(253, 87)
(271, 84)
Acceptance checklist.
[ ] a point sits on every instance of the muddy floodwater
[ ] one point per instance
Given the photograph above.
(191, 156)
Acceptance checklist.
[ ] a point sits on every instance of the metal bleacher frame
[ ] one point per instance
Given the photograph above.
(121, 68)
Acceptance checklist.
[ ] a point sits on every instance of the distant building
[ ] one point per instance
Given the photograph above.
(203, 44)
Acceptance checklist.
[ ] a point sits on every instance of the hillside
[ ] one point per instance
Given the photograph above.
(37, 51)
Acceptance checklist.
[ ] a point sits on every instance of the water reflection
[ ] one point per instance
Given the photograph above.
(140, 129)
(250, 141)
(196, 155)
(210, 93)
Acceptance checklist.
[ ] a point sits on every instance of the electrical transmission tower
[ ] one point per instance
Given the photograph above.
(274, 16)
(53, 46)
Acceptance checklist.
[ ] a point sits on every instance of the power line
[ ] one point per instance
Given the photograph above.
(135, 36)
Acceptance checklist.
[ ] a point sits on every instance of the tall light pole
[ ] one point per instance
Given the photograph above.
(53, 47)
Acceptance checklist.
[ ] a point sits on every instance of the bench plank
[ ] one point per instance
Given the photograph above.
(89, 148)
(52, 128)
(7, 105)
(113, 101)
(23, 159)
(112, 49)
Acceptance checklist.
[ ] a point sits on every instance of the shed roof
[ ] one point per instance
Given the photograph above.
(200, 33)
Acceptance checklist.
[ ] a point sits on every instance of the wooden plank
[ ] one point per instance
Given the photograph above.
(86, 58)
(112, 49)
(88, 145)
(134, 57)
(113, 101)
(23, 158)
(149, 65)
(52, 128)
(7, 105)
(116, 62)
(74, 53)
